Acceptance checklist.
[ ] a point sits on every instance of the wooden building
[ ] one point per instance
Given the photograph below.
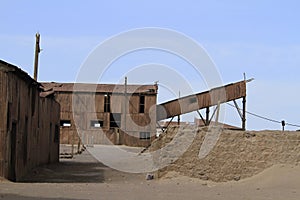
(128, 114)
(105, 113)
(29, 124)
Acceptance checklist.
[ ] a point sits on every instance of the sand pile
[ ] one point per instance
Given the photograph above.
(236, 154)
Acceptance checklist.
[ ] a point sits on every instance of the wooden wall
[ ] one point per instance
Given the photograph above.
(85, 106)
(29, 125)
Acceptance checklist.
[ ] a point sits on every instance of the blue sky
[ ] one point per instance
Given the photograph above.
(260, 38)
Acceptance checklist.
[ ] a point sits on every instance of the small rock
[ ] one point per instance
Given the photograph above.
(149, 177)
(248, 134)
(236, 178)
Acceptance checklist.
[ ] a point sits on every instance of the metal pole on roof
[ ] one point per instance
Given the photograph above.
(36, 55)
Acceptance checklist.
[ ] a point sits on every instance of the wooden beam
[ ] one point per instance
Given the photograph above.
(169, 123)
(160, 127)
(213, 115)
(207, 117)
(218, 113)
(238, 109)
(244, 114)
(203, 120)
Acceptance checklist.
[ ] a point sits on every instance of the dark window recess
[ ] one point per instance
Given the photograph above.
(96, 123)
(144, 135)
(56, 134)
(65, 123)
(115, 120)
(106, 103)
(142, 104)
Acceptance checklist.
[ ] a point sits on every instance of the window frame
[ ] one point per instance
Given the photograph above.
(145, 135)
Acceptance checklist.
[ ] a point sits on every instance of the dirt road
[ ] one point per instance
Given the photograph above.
(85, 178)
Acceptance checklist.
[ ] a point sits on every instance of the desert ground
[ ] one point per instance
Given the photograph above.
(83, 177)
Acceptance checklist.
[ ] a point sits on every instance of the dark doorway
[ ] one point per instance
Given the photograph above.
(115, 120)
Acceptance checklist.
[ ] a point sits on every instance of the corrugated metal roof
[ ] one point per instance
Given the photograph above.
(100, 88)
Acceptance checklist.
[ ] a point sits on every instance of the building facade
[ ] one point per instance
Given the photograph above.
(105, 113)
(29, 125)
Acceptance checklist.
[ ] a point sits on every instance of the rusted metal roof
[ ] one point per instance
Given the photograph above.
(98, 88)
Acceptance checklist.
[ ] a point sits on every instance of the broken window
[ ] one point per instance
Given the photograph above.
(65, 123)
(96, 123)
(142, 104)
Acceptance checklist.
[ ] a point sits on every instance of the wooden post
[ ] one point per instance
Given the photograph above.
(244, 114)
(125, 103)
(207, 116)
(218, 113)
(36, 55)
(178, 117)
(283, 124)
(204, 122)
(78, 146)
(72, 146)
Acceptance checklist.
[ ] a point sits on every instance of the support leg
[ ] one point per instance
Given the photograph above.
(244, 114)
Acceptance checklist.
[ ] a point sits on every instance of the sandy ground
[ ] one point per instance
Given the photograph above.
(84, 178)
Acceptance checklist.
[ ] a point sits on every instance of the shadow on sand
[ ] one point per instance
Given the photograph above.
(81, 169)
(17, 197)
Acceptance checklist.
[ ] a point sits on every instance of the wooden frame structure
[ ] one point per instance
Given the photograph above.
(205, 100)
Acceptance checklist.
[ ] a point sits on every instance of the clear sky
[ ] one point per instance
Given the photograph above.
(258, 37)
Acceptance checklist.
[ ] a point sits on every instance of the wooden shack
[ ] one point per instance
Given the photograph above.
(29, 124)
(105, 113)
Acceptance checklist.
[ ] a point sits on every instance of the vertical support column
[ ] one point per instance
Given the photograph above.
(207, 117)
(178, 117)
(218, 113)
(125, 103)
(244, 114)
